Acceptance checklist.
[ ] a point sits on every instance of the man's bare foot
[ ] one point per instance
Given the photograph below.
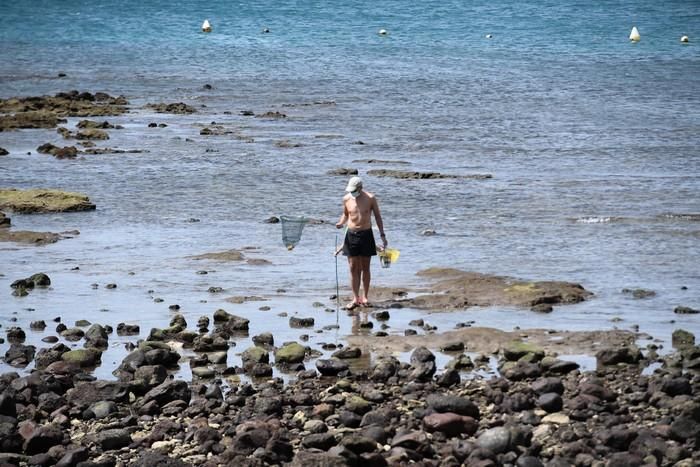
(364, 303)
(352, 305)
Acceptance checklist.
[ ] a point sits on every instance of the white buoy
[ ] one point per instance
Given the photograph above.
(685, 39)
(489, 36)
(206, 27)
(382, 32)
(634, 35)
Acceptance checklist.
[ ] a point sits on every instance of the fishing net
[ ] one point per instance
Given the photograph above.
(292, 226)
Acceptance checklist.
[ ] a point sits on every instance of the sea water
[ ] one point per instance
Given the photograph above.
(592, 143)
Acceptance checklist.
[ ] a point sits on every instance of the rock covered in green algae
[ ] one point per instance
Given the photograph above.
(290, 353)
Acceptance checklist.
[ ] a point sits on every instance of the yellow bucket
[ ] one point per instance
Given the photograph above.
(388, 256)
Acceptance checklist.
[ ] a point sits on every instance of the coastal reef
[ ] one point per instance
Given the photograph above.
(50, 111)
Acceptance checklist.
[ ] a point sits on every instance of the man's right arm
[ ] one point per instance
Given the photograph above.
(343, 218)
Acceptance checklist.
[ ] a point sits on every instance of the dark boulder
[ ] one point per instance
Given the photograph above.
(521, 371)
(151, 458)
(20, 355)
(166, 392)
(42, 438)
(613, 356)
(545, 385)
(550, 402)
(85, 394)
(451, 403)
(111, 439)
(322, 441)
(331, 366)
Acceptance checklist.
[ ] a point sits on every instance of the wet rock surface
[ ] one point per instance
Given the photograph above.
(409, 175)
(455, 289)
(172, 108)
(49, 111)
(42, 201)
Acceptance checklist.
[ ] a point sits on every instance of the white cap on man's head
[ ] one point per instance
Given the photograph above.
(354, 186)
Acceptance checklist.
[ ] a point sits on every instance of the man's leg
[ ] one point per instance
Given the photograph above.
(355, 263)
(366, 276)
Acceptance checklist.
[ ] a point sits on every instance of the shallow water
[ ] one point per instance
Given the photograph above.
(591, 141)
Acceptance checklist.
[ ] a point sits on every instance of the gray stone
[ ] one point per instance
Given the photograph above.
(102, 409)
(497, 440)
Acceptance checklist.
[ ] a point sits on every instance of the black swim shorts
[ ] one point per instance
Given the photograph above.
(359, 243)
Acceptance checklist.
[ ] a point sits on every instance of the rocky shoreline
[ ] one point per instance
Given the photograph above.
(539, 410)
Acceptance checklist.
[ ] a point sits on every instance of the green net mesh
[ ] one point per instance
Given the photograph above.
(292, 226)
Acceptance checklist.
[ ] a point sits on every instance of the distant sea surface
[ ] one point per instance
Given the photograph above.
(593, 143)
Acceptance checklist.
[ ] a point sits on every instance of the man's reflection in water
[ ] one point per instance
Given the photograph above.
(361, 325)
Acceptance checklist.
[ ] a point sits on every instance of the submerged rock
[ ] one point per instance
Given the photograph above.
(639, 293)
(66, 152)
(404, 174)
(296, 322)
(173, 108)
(681, 310)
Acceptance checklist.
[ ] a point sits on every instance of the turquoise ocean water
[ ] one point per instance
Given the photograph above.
(592, 142)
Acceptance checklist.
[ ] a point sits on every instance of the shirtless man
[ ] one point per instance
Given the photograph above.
(359, 246)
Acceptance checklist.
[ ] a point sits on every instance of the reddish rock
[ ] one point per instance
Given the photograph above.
(451, 424)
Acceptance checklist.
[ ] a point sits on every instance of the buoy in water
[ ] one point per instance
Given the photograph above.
(206, 27)
(265, 30)
(382, 32)
(685, 39)
(489, 36)
(634, 35)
